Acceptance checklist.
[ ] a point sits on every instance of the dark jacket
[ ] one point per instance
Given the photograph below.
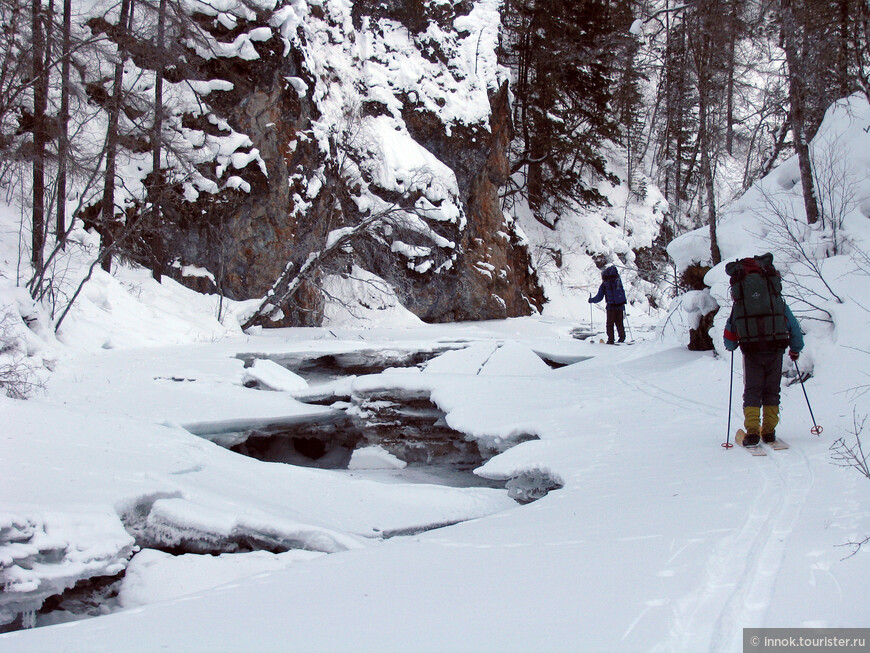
(610, 290)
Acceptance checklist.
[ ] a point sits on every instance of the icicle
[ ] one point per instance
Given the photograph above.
(28, 619)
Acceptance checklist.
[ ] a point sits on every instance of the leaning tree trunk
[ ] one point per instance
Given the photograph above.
(40, 102)
(156, 146)
(796, 95)
(63, 124)
(112, 137)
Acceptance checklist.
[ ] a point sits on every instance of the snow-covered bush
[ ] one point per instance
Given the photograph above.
(854, 456)
(18, 375)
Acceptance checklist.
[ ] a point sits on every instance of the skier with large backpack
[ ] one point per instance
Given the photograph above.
(762, 325)
(612, 292)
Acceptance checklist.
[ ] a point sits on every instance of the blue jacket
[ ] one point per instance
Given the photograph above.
(610, 290)
(795, 335)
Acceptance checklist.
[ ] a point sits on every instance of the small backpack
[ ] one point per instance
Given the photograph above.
(758, 315)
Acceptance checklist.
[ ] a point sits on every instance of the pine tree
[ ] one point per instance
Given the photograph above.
(678, 125)
(565, 56)
(710, 54)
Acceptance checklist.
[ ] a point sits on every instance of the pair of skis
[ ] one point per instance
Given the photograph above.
(758, 449)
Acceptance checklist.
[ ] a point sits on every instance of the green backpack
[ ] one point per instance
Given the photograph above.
(758, 315)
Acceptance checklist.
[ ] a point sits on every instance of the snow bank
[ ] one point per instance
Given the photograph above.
(514, 359)
(154, 576)
(468, 360)
(105, 434)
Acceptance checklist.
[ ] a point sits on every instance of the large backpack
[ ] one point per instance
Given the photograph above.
(758, 315)
(614, 293)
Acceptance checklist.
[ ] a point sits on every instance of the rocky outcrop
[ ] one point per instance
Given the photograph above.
(296, 189)
(244, 239)
(705, 307)
(493, 276)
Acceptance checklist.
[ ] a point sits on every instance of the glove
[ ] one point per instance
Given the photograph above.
(589, 301)
(794, 355)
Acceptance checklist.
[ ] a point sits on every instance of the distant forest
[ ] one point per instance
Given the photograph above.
(702, 97)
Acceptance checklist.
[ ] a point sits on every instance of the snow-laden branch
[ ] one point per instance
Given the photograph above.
(337, 240)
(636, 27)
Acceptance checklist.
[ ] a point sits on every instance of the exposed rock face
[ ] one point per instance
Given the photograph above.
(245, 239)
(301, 191)
(493, 277)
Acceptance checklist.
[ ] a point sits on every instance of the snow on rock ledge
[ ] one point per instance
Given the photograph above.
(526, 479)
(174, 523)
(46, 554)
(375, 457)
(272, 376)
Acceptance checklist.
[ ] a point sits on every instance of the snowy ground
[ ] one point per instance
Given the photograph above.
(659, 539)
(652, 536)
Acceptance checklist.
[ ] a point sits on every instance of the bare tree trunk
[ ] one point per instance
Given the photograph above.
(668, 102)
(843, 51)
(706, 145)
(535, 181)
(779, 143)
(40, 102)
(63, 124)
(862, 49)
(715, 254)
(108, 208)
(156, 142)
(796, 93)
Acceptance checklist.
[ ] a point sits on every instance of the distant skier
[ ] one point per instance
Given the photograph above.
(612, 292)
(762, 325)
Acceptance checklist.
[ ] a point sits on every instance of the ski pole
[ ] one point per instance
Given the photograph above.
(628, 324)
(591, 327)
(816, 430)
(727, 444)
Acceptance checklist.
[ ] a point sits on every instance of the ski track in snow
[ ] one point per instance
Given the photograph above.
(644, 386)
(743, 568)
